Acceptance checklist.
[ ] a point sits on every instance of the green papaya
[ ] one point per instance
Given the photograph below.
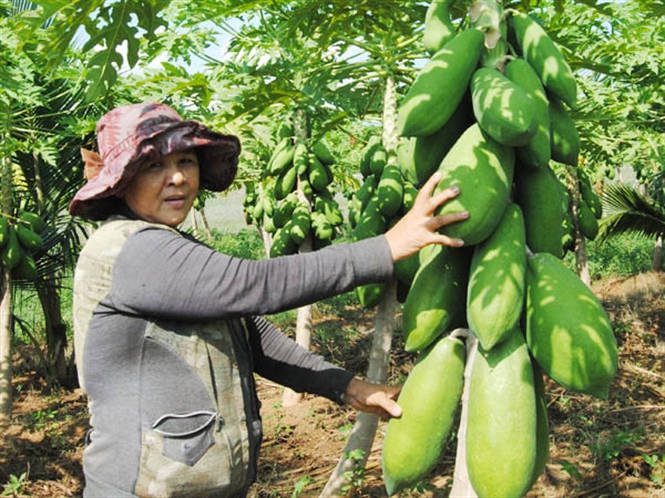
(371, 222)
(409, 197)
(419, 157)
(538, 192)
(590, 197)
(268, 224)
(301, 158)
(567, 329)
(405, 269)
(282, 157)
(429, 399)
(440, 85)
(30, 241)
(587, 221)
(378, 159)
(321, 227)
(537, 152)
(319, 175)
(284, 209)
(282, 243)
(501, 423)
(12, 253)
(366, 190)
(496, 280)
(389, 191)
(4, 231)
(285, 130)
(438, 28)
(436, 300)
(565, 140)
(329, 208)
(543, 55)
(370, 294)
(36, 223)
(373, 144)
(299, 224)
(503, 110)
(483, 171)
(322, 152)
(286, 182)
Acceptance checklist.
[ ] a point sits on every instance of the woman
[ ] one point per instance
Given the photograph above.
(168, 332)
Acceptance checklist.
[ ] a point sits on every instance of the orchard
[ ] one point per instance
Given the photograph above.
(529, 360)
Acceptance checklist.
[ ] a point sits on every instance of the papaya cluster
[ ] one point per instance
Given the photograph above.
(496, 126)
(293, 200)
(20, 239)
(383, 197)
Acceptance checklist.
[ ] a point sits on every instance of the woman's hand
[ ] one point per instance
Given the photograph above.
(419, 227)
(373, 398)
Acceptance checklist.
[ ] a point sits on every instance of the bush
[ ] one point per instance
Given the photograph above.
(246, 243)
(619, 256)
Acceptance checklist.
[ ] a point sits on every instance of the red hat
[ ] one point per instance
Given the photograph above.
(130, 135)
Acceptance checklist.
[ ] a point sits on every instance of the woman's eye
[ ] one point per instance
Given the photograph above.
(154, 166)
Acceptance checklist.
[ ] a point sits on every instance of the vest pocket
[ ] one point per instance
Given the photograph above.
(186, 436)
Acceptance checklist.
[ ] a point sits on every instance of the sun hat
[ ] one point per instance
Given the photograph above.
(133, 134)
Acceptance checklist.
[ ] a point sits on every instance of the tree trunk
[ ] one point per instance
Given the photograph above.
(657, 262)
(5, 304)
(351, 465)
(581, 260)
(56, 334)
(204, 221)
(461, 487)
(304, 314)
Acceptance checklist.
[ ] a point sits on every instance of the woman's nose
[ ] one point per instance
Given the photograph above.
(178, 177)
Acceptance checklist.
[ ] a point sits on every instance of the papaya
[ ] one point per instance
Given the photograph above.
(409, 197)
(318, 174)
(497, 279)
(299, 224)
(565, 140)
(567, 329)
(370, 222)
(436, 300)
(321, 227)
(440, 85)
(322, 152)
(502, 108)
(285, 130)
(282, 243)
(389, 191)
(438, 28)
(483, 171)
(284, 209)
(12, 253)
(282, 157)
(329, 208)
(378, 159)
(373, 144)
(30, 241)
(268, 224)
(587, 221)
(537, 151)
(538, 192)
(4, 231)
(501, 423)
(419, 157)
(36, 223)
(301, 158)
(285, 183)
(370, 294)
(543, 55)
(590, 197)
(429, 399)
(366, 190)
(405, 269)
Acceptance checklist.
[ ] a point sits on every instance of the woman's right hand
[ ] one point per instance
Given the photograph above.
(419, 227)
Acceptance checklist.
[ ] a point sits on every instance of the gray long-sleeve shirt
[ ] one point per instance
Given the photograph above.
(162, 287)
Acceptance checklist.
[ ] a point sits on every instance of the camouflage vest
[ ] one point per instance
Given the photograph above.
(201, 452)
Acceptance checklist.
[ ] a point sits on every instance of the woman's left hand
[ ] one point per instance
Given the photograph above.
(378, 399)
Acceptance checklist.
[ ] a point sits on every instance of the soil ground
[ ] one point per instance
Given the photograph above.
(598, 448)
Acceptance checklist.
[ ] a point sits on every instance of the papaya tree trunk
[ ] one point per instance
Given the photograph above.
(657, 262)
(581, 259)
(461, 487)
(304, 313)
(351, 465)
(5, 304)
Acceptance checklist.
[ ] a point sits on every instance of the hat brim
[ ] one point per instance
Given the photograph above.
(218, 163)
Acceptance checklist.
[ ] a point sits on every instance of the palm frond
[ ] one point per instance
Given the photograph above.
(628, 211)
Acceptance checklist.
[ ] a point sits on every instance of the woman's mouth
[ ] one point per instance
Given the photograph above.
(176, 201)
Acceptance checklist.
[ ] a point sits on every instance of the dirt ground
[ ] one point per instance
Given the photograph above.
(612, 448)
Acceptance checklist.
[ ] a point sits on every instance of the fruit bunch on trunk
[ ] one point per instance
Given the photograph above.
(20, 239)
(490, 110)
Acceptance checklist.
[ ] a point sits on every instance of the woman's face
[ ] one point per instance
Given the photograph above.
(163, 191)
